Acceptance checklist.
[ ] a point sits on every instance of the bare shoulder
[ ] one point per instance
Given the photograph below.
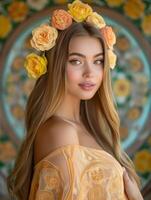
(53, 134)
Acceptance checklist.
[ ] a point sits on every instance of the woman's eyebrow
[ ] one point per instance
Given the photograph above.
(81, 55)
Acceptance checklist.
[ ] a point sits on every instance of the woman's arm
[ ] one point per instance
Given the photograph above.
(131, 189)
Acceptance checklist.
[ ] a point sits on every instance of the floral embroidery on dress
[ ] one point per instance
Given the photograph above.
(69, 174)
(97, 175)
(44, 195)
(48, 183)
(97, 193)
(51, 179)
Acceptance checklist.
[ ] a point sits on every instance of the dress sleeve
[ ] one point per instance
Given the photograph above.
(53, 177)
(47, 183)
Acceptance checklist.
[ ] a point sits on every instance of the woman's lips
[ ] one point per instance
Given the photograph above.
(87, 86)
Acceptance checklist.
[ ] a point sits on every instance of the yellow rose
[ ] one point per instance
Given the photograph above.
(115, 3)
(5, 25)
(134, 113)
(88, 1)
(142, 161)
(44, 37)
(79, 11)
(96, 20)
(112, 58)
(134, 8)
(146, 25)
(35, 65)
(122, 87)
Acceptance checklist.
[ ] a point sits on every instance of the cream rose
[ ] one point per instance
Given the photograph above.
(44, 37)
(112, 58)
(37, 4)
(96, 20)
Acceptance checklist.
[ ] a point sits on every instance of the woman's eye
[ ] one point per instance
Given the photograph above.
(99, 62)
(76, 62)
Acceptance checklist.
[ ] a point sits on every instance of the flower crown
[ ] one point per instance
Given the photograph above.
(44, 37)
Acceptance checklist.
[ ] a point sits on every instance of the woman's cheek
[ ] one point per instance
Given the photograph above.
(100, 73)
(72, 74)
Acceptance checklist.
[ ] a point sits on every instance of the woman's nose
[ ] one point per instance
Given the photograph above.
(88, 71)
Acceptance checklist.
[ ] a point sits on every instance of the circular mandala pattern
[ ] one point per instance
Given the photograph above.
(130, 79)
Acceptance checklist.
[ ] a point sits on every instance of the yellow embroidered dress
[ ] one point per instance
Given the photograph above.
(75, 172)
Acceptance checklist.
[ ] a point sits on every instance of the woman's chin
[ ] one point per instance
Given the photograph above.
(87, 96)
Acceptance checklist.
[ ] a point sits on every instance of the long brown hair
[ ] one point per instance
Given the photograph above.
(99, 114)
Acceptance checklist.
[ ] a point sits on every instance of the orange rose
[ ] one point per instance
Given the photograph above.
(44, 37)
(18, 11)
(61, 19)
(109, 36)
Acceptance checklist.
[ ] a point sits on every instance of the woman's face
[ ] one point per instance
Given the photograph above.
(84, 70)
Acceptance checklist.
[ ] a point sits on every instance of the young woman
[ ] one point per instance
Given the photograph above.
(72, 147)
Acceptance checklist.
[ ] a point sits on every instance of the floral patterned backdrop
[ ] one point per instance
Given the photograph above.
(131, 21)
